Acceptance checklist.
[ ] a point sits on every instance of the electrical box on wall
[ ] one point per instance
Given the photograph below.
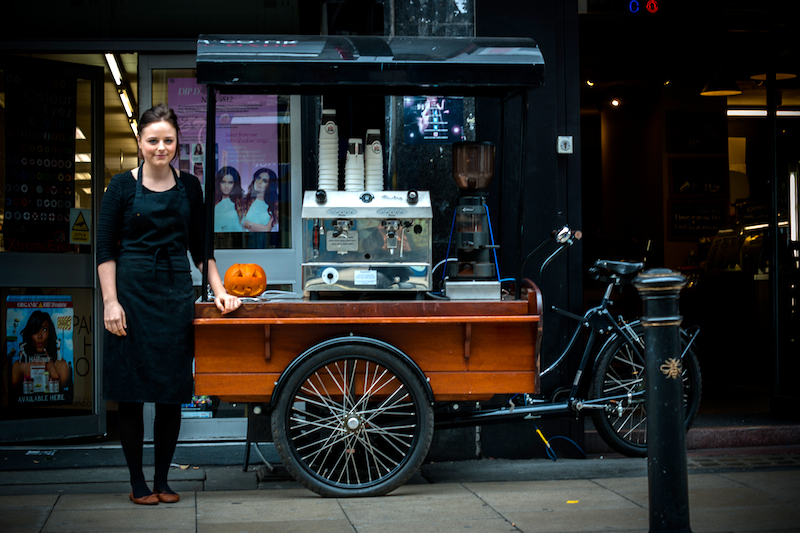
(564, 144)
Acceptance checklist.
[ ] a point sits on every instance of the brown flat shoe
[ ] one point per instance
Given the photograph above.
(150, 499)
(166, 497)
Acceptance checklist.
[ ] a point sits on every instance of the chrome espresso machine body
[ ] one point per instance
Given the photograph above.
(367, 241)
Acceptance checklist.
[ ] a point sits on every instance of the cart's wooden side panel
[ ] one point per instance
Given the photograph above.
(236, 387)
(478, 386)
(502, 347)
(471, 358)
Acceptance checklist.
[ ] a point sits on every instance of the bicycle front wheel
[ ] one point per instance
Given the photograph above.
(621, 370)
(352, 421)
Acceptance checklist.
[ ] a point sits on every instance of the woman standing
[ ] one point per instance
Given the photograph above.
(150, 216)
(229, 201)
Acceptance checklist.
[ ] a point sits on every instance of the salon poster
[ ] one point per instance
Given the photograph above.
(40, 188)
(246, 130)
(39, 350)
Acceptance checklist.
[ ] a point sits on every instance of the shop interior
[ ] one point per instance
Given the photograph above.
(684, 179)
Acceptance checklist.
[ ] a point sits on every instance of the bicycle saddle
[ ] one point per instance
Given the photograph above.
(624, 269)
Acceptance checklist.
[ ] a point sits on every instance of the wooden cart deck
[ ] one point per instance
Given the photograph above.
(468, 350)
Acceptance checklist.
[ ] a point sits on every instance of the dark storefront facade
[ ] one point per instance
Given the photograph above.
(645, 178)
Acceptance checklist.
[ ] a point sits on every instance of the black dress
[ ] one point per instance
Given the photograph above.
(153, 363)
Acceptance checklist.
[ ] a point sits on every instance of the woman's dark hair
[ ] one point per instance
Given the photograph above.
(157, 114)
(273, 179)
(35, 323)
(237, 192)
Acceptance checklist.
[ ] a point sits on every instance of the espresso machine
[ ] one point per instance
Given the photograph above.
(472, 275)
(367, 242)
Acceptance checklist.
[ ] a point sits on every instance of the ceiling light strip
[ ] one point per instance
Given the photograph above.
(762, 113)
(114, 68)
(126, 103)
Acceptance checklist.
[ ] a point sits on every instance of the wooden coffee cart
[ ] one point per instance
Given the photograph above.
(352, 383)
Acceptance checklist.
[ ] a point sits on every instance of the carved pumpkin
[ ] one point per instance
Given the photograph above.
(245, 279)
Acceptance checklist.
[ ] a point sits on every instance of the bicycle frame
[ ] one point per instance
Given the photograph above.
(600, 321)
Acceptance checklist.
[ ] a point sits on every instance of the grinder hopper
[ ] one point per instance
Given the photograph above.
(473, 168)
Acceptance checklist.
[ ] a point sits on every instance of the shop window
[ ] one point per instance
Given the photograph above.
(46, 181)
(251, 178)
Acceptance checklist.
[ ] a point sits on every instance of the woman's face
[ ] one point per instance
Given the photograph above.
(40, 338)
(158, 142)
(260, 183)
(226, 185)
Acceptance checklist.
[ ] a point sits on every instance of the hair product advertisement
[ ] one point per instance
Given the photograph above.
(247, 129)
(39, 350)
(246, 153)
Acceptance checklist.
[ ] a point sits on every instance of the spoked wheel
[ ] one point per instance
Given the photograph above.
(352, 421)
(620, 370)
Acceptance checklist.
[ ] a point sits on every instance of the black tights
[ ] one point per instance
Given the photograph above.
(166, 426)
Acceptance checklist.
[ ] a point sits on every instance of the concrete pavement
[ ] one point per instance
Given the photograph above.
(753, 490)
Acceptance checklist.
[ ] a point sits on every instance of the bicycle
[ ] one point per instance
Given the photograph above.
(615, 393)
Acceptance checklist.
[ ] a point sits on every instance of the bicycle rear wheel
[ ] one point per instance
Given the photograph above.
(621, 370)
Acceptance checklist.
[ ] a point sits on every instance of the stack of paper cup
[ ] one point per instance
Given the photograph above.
(373, 161)
(328, 152)
(354, 166)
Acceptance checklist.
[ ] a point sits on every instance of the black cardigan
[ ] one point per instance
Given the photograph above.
(117, 208)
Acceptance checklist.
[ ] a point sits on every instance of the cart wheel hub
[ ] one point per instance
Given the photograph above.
(353, 423)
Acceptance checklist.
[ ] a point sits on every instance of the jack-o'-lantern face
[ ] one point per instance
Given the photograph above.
(245, 279)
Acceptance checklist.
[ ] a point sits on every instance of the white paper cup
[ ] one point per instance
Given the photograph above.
(328, 130)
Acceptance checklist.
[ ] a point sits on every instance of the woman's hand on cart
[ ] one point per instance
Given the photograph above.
(227, 303)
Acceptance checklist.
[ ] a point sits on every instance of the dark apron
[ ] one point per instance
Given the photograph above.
(153, 363)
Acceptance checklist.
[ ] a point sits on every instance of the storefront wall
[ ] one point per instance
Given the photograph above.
(553, 182)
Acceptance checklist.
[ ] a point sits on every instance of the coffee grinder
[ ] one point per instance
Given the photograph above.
(472, 275)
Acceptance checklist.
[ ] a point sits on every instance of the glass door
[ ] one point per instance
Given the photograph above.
(257, 147)
(50, 186)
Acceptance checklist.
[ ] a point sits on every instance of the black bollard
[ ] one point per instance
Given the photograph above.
(668, 482)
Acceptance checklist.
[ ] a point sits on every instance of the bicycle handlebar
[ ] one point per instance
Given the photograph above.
(564, 237)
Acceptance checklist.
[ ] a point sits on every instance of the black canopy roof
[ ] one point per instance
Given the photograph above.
(390, 65)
